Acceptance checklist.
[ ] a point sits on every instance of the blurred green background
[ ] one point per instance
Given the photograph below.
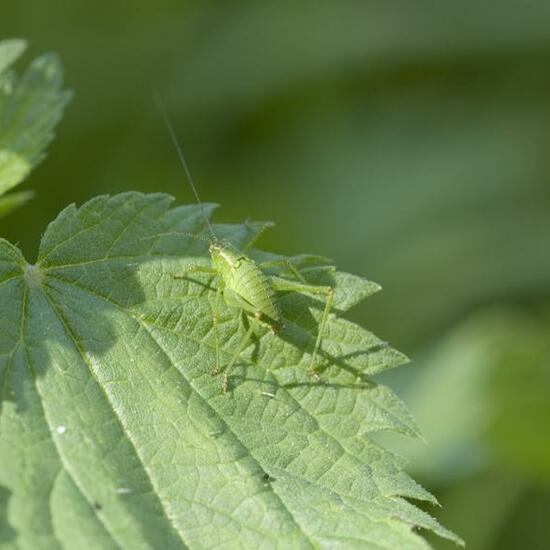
(408, 140)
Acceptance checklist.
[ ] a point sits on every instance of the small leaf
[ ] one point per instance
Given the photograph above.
(30, 108)
(10, 50)
(115, 432)
(11, 202)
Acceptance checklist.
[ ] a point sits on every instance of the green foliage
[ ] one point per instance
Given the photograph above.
(113, 430)
(115, 433)
(410, 142)
(505, 379)
(30, 107)
(489, 378)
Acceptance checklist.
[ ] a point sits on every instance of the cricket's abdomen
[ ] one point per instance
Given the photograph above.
(253, 285)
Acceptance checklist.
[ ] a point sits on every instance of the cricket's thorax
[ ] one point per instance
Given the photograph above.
(243, 276)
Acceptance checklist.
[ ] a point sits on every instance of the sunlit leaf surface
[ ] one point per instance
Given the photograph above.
(114, 432)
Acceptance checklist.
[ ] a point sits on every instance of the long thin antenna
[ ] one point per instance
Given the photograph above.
(177, 146)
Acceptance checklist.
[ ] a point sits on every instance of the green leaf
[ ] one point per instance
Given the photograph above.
(30, 107)
(10, 50)
(489, 377)
(115, 433)
(12, 201)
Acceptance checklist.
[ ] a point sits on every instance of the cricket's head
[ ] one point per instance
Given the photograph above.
(222, 256)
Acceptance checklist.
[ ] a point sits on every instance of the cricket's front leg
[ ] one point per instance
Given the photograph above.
(229, 367)
(195, 268)
(215, 321)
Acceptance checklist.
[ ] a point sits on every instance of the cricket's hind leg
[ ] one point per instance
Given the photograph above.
(327, 291)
